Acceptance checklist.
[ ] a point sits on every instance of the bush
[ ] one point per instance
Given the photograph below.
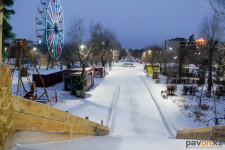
(198, 113)
(193, 90)
(171, 88)
(185, 89)
(219, 91)
(157, 81)
(204, 107)
(185, 106)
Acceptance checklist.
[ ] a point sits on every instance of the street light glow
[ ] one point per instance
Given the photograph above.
(82, 46)
(171, 48)
(34, 48)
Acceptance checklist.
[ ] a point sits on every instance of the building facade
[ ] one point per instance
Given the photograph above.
(174, 44)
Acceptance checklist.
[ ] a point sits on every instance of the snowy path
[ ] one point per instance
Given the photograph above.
(137, 121)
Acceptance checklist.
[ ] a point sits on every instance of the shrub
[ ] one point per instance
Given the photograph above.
(171, 88)
(198, 113)
(157, 81)
(193, 81)
(185, 89)
(204, 107)
(185, 106)
(193, 90)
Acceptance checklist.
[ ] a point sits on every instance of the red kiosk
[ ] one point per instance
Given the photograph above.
(89, 77)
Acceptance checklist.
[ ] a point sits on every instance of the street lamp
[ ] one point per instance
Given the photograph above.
(34, 49)
(110, 60)
(82, 47)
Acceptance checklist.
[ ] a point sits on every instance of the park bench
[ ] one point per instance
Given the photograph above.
(128, 65)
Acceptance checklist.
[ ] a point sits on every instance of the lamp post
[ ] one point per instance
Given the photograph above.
(34, 49)
(113, 58)
(82, 48)
(110, 60)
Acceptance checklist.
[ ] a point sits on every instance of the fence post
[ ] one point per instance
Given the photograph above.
(102, 122)
(7, 132)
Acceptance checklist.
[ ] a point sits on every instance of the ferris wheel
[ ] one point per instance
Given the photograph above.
(50, 27)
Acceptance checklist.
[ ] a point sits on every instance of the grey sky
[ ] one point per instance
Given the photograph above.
(137, 23)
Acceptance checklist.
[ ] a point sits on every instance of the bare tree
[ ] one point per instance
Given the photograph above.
(76, 33)
(219, 8)
(75, 37)
(166, 58)
(210, 29)
(152, 54)
(84, 56)
(104, 39)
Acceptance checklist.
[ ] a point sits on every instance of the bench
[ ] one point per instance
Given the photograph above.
(128, 65)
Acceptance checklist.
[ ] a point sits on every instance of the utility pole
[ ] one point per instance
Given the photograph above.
(1, 27)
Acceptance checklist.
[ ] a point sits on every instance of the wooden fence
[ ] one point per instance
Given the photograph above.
(6, 112)
(216, 133)
(37, 123)
(26, 122)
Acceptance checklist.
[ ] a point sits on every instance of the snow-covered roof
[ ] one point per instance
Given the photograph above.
(48, 72)
(190, 66)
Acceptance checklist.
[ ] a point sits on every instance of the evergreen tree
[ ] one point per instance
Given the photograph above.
(191, 43)
(6, 31)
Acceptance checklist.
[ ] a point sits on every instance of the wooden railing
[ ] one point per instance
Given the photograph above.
(216, 133)
(37, 123)
(26, 122)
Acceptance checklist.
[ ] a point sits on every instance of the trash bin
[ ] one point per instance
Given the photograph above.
(75, 83)
(155, 75)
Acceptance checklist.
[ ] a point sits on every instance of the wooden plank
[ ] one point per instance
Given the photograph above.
(1, 27)
(29, 122)
(219, 128)
(196, 130)
(202, 137)
(31, 137)
(219, 139)
(218, 133)
(36, 109)
(7, 131)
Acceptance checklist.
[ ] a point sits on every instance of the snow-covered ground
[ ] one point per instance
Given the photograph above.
(140, 117)
(189, 104)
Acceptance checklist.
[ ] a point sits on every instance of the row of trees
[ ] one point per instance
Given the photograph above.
(92, 45)
(211, 29)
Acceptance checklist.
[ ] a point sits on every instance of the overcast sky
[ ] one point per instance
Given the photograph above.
(137, 23)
